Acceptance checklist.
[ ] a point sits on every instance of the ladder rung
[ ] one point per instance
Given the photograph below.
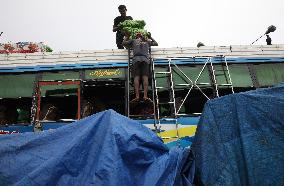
(183, 84)
(203, 83)
(162, 72)
(160, 87)
(225, 84)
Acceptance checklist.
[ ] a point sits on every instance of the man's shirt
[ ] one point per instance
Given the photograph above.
(119, 34)
(140, 49)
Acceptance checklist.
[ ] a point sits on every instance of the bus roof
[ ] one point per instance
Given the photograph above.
(46, 61)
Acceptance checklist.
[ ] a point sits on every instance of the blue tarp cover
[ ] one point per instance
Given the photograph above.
(103, 149)
(240, 139)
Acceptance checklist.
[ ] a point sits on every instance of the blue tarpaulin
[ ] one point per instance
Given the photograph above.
(103, 149)
(240, 139)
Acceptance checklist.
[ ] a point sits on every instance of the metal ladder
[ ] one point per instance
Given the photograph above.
(128, 84)
(191, 83)
(225, 72)
(171, 101)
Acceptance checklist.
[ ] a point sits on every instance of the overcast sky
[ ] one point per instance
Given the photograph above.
(71, 25)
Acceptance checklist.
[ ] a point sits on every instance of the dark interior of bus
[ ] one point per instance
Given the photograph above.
(15, 111)
(195, 101)
(104, 94)
(54, 108)
(96, 96)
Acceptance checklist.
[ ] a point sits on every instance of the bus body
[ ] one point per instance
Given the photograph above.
(42, 91)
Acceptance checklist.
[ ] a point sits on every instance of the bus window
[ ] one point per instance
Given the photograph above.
(58, 100)
(103, 94)
(54, 108)
(15, 111)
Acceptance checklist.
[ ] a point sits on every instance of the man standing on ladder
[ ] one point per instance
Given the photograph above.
(119, 19)
(140, 62)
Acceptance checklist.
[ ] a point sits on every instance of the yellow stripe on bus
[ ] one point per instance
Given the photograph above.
(170, 135)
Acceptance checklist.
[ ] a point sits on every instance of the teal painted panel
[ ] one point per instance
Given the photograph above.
(14, 86)
(269, 74)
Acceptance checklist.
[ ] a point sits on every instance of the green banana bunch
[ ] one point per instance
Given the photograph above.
(133, 24)
(131, 27)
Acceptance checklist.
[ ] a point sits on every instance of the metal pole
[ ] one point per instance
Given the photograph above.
(257, 39)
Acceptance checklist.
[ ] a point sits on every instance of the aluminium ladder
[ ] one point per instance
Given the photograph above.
(214, 82)
(224, 72)
(171, 102)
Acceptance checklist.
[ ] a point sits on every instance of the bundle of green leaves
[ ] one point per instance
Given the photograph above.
(131, 27)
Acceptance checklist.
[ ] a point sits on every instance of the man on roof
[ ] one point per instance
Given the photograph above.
(119, 19)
